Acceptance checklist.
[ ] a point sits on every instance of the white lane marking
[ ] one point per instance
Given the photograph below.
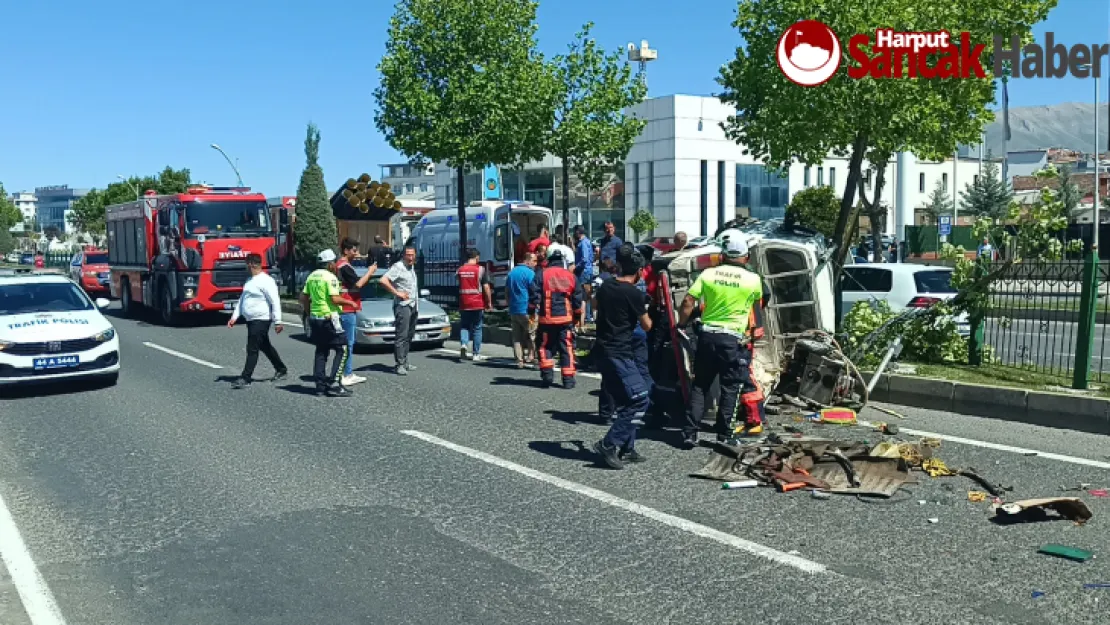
(171, 352)
(38, 601)
(587, 374)
(756, 549)
(1098, 464)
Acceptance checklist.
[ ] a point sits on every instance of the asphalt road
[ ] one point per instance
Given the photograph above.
(462, 494)
(1045, 345)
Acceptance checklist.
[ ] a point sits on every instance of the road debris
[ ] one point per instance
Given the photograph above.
(740, 484)
(1098, 492)
(1037, 594)
(888, 411)
(976, 496)
(1098, 585)
(934, 520)
(1068, 553)
(838, 416)
(1026, 510)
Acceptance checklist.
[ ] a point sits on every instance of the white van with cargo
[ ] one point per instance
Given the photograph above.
(492, 227)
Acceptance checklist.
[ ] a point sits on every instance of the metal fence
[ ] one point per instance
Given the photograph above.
(1032, 322)
(436, 269)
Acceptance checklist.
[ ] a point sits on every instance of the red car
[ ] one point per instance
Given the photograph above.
(663, 244)
(89, 269)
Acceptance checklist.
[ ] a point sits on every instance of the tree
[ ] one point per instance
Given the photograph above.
(988, 196)
(7, 242)
(1067, 192)
(9, 212)
(939, 203)
(314, 228)
(87, 214)
(642, 222)
(815, 208)
(462, 82)
(867, 119)
(591, 131)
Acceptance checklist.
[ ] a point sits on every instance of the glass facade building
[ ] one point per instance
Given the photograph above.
(763, 192)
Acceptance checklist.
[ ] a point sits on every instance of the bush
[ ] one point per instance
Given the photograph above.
(930, 337)
(816, 208)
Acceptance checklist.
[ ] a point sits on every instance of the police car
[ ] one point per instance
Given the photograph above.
(50, 330)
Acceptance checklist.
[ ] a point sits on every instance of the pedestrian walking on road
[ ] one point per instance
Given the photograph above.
(350, 286)
(724, 348)
(400, 280)
(259, 305)
(324, 301)
(556, 299)
(517, 284)
(622, 308)
(475, 297)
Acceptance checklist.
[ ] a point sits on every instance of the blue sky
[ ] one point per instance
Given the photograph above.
(96, 89)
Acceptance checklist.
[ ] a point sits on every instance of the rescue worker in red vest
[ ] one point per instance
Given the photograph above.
(475, 298)
(730, 292)
(555, 302)
(350, 287)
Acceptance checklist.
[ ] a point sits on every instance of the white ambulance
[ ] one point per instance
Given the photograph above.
(493, 227)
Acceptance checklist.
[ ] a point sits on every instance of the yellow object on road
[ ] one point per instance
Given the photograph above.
(976, 496)
(935, 467)
(839, 416)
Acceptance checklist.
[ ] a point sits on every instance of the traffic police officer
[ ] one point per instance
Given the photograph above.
(323, 300)
(730, 293)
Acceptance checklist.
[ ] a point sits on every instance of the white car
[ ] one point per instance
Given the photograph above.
(900, 285)
(50, 330)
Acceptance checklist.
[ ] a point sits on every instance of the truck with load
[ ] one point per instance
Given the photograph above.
(184, 253)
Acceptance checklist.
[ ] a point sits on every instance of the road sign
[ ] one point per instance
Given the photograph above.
(945, 225)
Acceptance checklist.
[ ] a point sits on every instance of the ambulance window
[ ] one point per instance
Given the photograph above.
(501, 247)
(781, 260)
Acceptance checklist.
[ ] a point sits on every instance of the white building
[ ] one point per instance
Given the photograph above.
(683, 170)
(26, 203)
(410, 182)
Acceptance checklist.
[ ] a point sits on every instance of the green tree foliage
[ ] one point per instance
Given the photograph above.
(1066, 190)
(592, 132)
(9, 212)
(88, 212)
(463, 83)
(314, 228)
(7, 242)
(642, 222)
(815, 208)
(989, 196)
(870, 119)
(939, 203)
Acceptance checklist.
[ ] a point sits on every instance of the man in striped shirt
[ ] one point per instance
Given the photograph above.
(260, 306)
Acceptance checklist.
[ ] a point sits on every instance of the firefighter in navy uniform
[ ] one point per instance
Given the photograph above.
(731, 295)
(555, 300)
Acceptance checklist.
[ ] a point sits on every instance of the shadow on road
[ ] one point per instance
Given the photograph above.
(507, 381)
(378, 367)
(564, 450)
(50, 389)
(574, 418)
(300, 389)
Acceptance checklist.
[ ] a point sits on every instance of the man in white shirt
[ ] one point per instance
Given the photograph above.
(260, 306)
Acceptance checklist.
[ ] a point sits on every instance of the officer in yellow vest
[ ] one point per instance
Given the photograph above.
(730, 292)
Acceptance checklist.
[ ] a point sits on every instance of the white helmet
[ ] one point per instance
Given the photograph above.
(734, 243)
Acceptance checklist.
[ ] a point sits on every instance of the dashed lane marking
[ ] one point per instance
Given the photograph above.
(685, 525)
(38, 601)
(172, 352)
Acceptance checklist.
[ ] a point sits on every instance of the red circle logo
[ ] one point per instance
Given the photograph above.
(808, 53)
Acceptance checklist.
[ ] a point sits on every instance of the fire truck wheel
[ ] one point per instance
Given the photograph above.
(169, 315)
(125, 303)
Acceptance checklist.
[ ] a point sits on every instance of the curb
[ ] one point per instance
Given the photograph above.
(1055, 410)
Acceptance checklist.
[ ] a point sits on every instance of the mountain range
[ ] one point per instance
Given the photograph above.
(1069, 125)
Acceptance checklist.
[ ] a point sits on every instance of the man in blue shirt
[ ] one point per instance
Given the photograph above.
(584, 266)
(520, 278)
(610, 245)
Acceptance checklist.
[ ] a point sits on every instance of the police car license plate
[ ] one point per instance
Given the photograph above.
(56, 362)
(229, 305)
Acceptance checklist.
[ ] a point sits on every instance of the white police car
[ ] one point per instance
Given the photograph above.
(50, 330)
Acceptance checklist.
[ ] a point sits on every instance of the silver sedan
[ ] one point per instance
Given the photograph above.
(375, 320)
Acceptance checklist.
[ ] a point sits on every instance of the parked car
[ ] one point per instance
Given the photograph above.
(663, 244)
(26, 258)
(375, 320)
(901, 285)
(89, 269)
(13, 258)
(696, 242)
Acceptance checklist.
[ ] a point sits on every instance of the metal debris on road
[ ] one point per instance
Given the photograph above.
(934, 520)
(1028, 510)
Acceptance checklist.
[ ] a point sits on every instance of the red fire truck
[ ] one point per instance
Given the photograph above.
(186, 252)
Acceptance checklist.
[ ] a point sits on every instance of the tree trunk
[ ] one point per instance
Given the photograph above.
(566, 200)
(847, 206)
(876, 209)
(460, 175)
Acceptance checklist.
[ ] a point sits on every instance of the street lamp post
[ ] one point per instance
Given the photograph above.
(1088, 298)
(234, 168)
(134, 187)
